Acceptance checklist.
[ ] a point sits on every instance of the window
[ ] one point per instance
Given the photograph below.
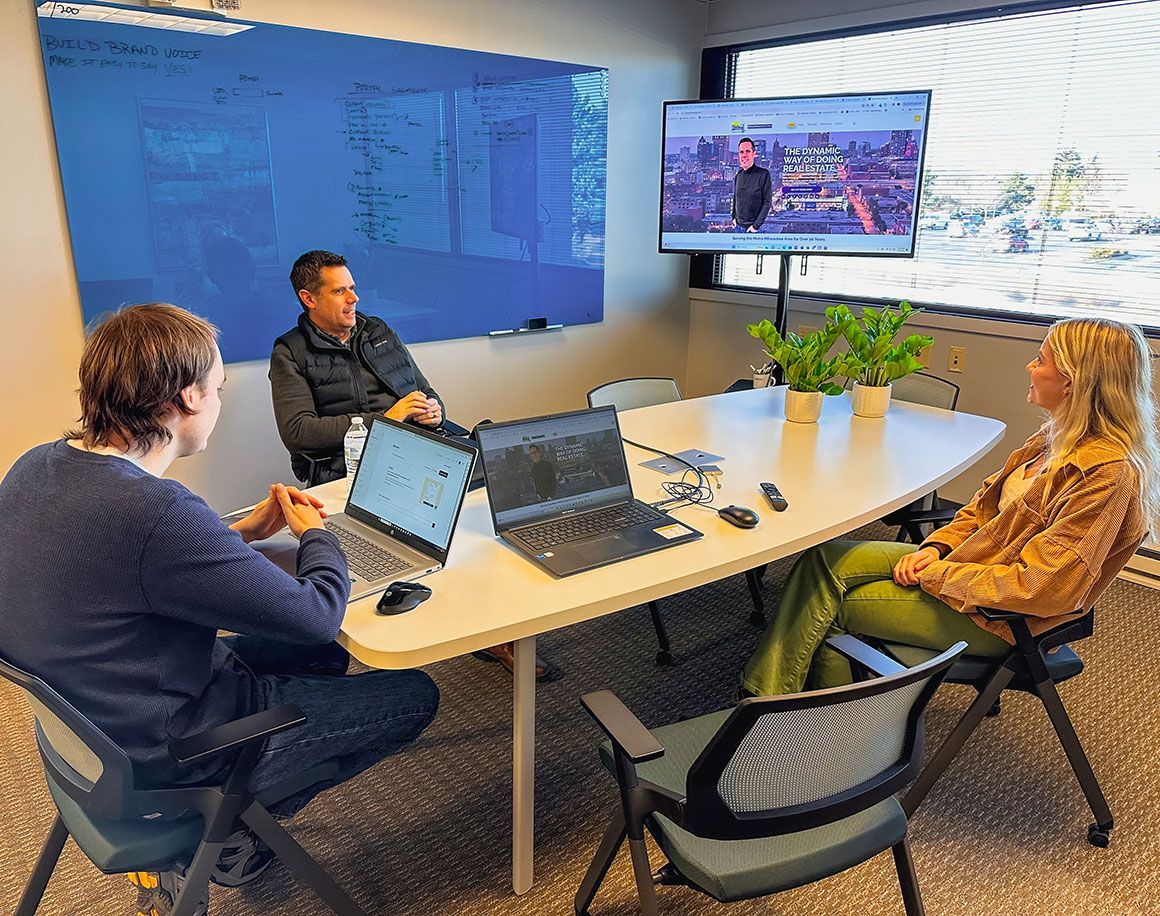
(1041, 193)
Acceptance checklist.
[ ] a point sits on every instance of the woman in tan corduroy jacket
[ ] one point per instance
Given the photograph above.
(1045, 535)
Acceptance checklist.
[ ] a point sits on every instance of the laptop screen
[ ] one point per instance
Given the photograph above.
(411, 483)
(548, 466)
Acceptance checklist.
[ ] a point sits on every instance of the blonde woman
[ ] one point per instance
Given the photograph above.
(1044, 536)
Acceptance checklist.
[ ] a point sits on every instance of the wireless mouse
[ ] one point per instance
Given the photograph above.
(739, 516)
(401, 597)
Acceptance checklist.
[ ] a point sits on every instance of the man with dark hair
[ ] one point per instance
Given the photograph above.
(117, 580)
(752, 190)
(338, 364)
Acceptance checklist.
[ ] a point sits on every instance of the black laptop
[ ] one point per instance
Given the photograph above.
(559, 493)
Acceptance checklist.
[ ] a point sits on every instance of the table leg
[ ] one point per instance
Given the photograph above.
(523, 764)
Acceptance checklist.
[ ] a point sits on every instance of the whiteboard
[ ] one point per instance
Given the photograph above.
(200, 156)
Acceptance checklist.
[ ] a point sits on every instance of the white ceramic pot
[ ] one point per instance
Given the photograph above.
(870, 401)
(803, 406)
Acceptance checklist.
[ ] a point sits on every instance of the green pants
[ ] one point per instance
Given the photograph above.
(846, 587)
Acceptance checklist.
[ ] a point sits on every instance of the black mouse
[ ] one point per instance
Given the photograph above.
(401, 597)
(739, 516)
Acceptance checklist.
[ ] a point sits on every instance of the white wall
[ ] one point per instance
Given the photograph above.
(735, 21)
(652, 49)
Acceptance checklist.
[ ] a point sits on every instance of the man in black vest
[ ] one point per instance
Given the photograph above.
(336, 365)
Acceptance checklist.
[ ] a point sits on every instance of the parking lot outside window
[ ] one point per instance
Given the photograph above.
(1041, 191)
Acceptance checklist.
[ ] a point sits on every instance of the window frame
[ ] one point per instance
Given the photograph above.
(718, 73)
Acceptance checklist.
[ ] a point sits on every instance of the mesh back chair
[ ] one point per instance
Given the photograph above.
(1030, 667)
(122, 828)
(920, 388)
(630, 393)
(807, 779)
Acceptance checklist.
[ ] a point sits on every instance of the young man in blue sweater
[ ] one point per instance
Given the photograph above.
(117, 581)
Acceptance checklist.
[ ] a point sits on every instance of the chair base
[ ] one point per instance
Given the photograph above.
(300, 863)
(1025, 668)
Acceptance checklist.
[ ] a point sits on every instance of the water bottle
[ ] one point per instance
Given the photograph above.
(352, 446)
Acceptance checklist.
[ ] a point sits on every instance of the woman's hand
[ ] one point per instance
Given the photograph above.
(907, 569)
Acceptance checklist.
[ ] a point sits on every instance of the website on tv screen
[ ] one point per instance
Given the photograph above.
(820, 175)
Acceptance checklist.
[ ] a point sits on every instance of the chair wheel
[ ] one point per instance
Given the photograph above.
(757, 619)
(664, 658)
(1098, 836)
(994, 710)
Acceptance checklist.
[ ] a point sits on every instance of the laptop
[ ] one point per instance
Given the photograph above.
(559, 493)
(403, 505)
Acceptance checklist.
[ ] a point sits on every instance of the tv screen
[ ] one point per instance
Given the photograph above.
(818, 175)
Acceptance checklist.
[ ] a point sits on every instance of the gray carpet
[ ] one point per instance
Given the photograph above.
(428, 831)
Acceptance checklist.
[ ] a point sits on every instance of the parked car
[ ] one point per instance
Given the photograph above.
(938, 221)
(1146, 227)
(1007, 239)
(1082, 230)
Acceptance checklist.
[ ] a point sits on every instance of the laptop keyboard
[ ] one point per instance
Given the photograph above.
(575, 527)
(366, 558)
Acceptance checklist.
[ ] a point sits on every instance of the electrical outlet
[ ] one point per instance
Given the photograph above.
(924, 356)
(957, 358)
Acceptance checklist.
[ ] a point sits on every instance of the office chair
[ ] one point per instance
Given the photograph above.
(627, 394)
(1029, 667)
(123, 828)
(920, 388)
(808, 779)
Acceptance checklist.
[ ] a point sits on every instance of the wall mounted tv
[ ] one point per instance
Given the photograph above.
(844, 174)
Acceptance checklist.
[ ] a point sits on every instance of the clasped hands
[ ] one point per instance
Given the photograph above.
(418, 407)
(907, 569)
(283, 507)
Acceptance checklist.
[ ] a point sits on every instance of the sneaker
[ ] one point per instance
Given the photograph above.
(241, 860)
(158, 890)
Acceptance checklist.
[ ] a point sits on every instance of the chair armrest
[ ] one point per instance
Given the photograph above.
(857, 651)
(625, 730)
(454, 429)
(315, 462)
(931, 516)
(998, 615)
(236, 734)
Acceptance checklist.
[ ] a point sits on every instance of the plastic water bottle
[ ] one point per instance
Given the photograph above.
(352, 446)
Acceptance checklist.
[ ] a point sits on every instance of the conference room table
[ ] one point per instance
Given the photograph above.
(837, 474)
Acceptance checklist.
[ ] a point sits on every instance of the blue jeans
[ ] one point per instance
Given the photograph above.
(356, 721)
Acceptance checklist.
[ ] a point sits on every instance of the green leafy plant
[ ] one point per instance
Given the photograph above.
(802, 359)
(874, 359)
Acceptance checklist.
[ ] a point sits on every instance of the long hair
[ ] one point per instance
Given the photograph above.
(1109, 365)
(135, 364)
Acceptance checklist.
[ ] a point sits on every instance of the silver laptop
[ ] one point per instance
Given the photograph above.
(559, 493)
(403, 505)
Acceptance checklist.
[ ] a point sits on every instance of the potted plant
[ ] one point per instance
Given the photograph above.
(874, 359)
(805, 367)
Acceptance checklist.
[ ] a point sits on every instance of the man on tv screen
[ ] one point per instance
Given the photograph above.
(752, 190)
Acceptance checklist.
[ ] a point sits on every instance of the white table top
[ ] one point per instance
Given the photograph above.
(837, 474)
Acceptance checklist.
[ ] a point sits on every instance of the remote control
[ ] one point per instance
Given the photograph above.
(773, 494)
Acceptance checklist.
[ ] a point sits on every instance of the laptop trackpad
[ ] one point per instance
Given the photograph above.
(601, 548)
